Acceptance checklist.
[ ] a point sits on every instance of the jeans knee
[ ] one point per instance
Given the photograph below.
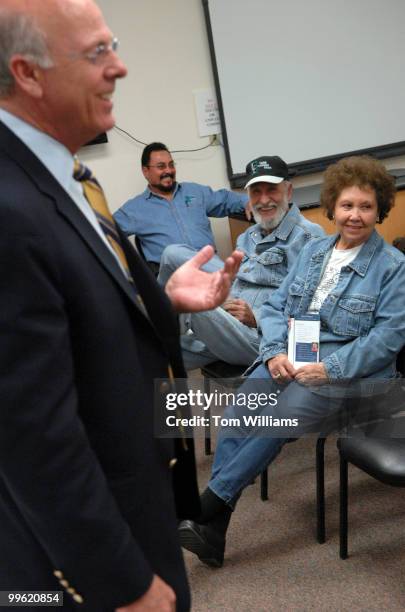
(175, 255)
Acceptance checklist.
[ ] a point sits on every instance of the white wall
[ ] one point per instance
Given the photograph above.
(164, 45)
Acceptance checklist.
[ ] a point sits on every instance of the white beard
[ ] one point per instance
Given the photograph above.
(270, 224)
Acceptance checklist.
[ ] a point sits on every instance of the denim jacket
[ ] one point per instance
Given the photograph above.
(267, 259)
(362, 319)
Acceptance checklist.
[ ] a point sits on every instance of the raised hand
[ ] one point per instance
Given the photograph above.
(192, 290)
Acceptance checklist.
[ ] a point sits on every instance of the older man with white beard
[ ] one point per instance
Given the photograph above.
(231, 332)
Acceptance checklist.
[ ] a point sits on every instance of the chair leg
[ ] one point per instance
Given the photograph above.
(264, 489)
(207, 433)
(320, 490)
(207, 430)
(343, 527)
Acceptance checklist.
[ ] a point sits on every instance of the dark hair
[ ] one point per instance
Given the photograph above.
(149, 149)
(362, 171)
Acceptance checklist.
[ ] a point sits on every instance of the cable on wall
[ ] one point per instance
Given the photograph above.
(213, 142)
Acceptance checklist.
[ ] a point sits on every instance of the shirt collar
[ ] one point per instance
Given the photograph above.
(53, 154)
(150, 194)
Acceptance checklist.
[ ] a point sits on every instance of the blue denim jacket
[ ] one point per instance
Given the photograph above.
(362, 319)
(182, 220)
(268, 258)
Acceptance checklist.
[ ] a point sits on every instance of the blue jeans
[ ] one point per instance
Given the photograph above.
(176, 255)
(244, 452)
(213, 334)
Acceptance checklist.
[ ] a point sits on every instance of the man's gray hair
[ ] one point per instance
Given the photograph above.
(19, 34)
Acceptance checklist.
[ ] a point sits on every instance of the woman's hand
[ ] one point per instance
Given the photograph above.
(312, 374)
(281, 370)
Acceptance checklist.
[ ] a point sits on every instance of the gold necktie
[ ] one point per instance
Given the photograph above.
(96, 199)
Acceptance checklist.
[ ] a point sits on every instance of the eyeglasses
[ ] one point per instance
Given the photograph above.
(99, 54)
(170, 165)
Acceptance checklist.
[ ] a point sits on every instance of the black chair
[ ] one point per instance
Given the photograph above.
(233, 374)
(320, 486)
(377, 449)
(219, 370)
(154, 267)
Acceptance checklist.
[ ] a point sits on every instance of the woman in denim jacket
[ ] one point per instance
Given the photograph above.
(363, 314)
(356, 282)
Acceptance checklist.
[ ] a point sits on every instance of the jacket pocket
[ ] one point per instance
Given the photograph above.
(271, 268)
(354, 315)
(295, 294)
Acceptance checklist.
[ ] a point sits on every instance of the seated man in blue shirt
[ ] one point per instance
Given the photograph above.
(230, 332)
(168, 212)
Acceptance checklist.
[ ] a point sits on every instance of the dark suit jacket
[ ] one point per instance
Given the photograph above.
(85, 485)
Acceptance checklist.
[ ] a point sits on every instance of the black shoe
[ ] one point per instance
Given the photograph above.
(203, 541)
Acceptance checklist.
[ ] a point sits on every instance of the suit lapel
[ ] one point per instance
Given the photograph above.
(163, 318)
(73, 215)
(65, 206)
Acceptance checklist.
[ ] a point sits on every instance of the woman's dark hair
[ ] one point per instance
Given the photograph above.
(363, 172)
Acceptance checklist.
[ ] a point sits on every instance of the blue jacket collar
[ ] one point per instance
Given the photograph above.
(361, 263)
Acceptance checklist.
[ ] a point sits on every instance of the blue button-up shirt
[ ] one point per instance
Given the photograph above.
(268, 257)
(158, 222)
(362, 319)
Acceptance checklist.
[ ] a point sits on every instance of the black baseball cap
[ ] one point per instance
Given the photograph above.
(270, 169)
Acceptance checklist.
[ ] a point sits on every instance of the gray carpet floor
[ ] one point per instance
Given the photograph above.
(273, 561)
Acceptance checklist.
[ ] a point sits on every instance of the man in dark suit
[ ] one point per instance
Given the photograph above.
(87, 504)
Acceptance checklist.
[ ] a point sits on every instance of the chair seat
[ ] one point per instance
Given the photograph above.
(382, 458)
(221, 369)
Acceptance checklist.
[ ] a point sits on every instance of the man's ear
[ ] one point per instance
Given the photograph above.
(145, 172)
(27, 75)
(289, 191)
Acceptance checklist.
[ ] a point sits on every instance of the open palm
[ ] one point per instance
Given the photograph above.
(190, 289)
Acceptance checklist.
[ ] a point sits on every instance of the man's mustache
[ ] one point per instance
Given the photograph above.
(260, 207)
(167, 175)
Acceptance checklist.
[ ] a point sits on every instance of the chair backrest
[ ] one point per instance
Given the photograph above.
(154, 267)
(139, 247)
(399, 243)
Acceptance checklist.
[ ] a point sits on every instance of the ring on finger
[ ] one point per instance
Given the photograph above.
(276, 375)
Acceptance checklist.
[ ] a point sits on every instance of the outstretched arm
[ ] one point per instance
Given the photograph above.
(190, 289)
